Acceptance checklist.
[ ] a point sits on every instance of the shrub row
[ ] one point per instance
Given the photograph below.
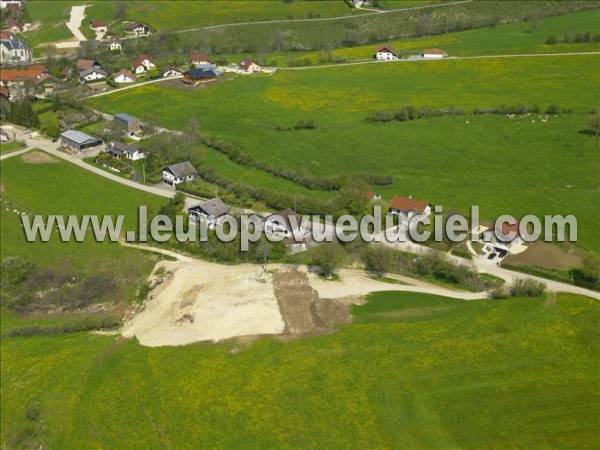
(235, 154)
(520, 288)
(85, 324)
(571, 38)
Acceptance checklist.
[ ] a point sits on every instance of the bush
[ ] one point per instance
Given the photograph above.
(553, 109)
(551, 40)
(527, 287)
(380, 117)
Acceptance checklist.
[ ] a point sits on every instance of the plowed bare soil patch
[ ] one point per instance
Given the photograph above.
(36, 157)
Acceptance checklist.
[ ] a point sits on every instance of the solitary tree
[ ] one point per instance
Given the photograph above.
(329, 257)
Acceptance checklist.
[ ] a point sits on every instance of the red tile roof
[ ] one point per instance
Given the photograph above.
(4, 91)
(94, 23)
(125, 72)
(385, 48)
(409, 204)
(138, 61)
(85, 64)
(246, 63)
(31, 73)
(508, 228)
(434, 51)
(198, 57)
(5, 34)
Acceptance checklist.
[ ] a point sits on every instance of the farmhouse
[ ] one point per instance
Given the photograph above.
(13, 51)
(284, 223)
(90, 75)
(137, 29)
(98, 25)
(178, 173)
(209, 211)
(21, 80)
(249, 66)
(200, 75)
(120, 150)
(171, 72)
(114, 45)
(77, 141)
(408, 207)
(433, 53)
(124, 76)
(199, 59)
(385, 53)
(142, 64)
(128, 124)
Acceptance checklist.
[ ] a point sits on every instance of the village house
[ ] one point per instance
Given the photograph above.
(137, 29)
(209, 211)
(199, 59)
(284, 223)
(23, 82)
(385, 53)
(409, 207)
(4, 136)
(433, 53)
(5, 35)
(200, 75)
(124, 76)
(507, 237)
(77, 141)
(13, 26)
(87, 64)
(128, 124)
(128, 151)
(98, 25)
(372, 196)
(171, 72)
(249, 66)
(13, 51)
(178, 173)
(142, 64)
(91, 75)
(114, 45)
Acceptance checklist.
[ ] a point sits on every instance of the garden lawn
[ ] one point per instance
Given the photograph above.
(505, 166)
(413, 371)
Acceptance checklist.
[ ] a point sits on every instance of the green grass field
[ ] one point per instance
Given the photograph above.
(413, 371)
(514, 38)
(505, 166)
(60, 188)
(10, 147)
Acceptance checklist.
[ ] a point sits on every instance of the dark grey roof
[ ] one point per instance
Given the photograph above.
(202, 73)
(214, 207)
(285, 216)
(79, 137)
(83, 73)
(125, 118)
(182, 169)
(120, 147)
(13, 44)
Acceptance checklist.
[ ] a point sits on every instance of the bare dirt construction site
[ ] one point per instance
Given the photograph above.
(193, 300)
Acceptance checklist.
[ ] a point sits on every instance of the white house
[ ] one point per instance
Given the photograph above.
(433, 53)
(385, 53)
(178, 173)
(124, 76)
(137, 29)
(13, 51)
(172, 72)
(209, 211)
(129, 151)
(5, 3)
(91, 75)
(249, 66)
(409, 207)
(284, 223)
(142, 64)
(507, 237)
(98, 25)
(115, 46)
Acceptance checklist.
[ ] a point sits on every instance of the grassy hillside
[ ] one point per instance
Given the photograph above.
(414, 371)
(503, 165)
(61, 188)
(514, 38)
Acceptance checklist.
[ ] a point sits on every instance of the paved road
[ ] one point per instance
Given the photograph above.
(15, 153)
(453, 58)
(324, 19)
